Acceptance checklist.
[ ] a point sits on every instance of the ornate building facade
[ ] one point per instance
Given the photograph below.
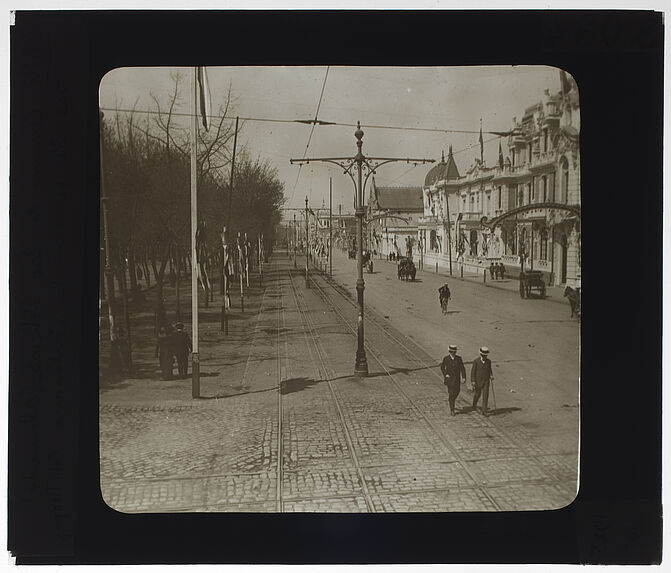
(525, 210)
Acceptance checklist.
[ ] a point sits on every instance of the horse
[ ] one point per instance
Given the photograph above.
(406, 269)
(573, 296)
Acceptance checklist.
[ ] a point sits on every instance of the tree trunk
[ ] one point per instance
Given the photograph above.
(179, 309)
(132, 269)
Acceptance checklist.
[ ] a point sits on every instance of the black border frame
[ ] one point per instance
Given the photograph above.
(55, 511)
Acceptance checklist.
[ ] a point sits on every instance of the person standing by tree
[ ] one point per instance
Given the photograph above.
(481, 377)
(181, 347)
(454, 374)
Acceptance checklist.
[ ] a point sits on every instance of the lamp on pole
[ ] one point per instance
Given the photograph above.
(363, 166)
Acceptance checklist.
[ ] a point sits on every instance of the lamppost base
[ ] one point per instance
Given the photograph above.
(361, 365)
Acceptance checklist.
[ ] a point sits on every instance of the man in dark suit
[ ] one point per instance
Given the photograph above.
(454, 374)
(481, 377)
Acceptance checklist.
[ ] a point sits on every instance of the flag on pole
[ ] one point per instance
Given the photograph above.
(202, 257)
(481, 145)
(204, 101)
(459, 234)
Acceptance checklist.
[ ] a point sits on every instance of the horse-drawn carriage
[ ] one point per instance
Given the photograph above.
(531, 280)
(406, 269)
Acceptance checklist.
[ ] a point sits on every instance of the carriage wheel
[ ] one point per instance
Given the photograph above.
(521, 289)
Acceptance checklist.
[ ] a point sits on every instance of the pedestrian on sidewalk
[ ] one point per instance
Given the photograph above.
(181, 348)
(164, 351)
(481, 377)
(502, 271)
(454, 374)
(492, 270)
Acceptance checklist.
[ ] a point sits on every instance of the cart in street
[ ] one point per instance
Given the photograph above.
(532, 280)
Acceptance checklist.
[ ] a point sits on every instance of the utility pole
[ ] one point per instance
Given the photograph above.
(330, 227)
(294, 239)
(224, 239)
(359, 163)
(241, 271)
(449, 232)
(224, 280)
(195, 382)
(307, 247)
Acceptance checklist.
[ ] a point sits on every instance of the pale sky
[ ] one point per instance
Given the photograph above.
(429, 97)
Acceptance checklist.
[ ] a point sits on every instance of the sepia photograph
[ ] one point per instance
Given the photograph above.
(339, 289)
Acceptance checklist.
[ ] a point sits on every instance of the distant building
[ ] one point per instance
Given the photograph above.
(530, 198)
(393, 213)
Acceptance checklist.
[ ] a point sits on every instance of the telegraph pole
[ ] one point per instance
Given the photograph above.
(330, 227)
(307, 247)
(294, 239)
(195, 357)
(358, 163)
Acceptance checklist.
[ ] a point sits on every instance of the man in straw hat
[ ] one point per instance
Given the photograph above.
(481, 377)
(454, 374)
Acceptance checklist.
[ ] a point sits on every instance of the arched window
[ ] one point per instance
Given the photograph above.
(512, 245)
(532, 190)
(564, 181)
(500, 192)
(545, 189)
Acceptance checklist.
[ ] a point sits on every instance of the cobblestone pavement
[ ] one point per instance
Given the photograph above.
(283, 426)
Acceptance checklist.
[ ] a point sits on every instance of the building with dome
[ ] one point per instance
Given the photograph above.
(524, 210)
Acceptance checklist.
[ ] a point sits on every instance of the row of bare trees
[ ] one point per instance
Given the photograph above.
(146, 177)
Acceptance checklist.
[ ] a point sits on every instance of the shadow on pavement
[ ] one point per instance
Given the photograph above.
(296, 385)
(395, 370)
(235, 395)
(499, 411)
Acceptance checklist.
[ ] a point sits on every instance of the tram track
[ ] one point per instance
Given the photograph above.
(328, 376)
(449, 447)
(431, 366)
(281, 375)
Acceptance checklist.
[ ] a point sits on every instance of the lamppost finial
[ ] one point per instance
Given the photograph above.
(359, 132)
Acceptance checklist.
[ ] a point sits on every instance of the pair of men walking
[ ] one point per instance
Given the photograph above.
(454, 373)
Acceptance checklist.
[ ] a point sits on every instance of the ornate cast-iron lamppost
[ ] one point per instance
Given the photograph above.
(364, 167)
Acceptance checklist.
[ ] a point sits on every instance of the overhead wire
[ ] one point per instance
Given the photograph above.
(314, 122)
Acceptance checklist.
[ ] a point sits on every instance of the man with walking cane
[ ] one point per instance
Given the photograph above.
(481, 377)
